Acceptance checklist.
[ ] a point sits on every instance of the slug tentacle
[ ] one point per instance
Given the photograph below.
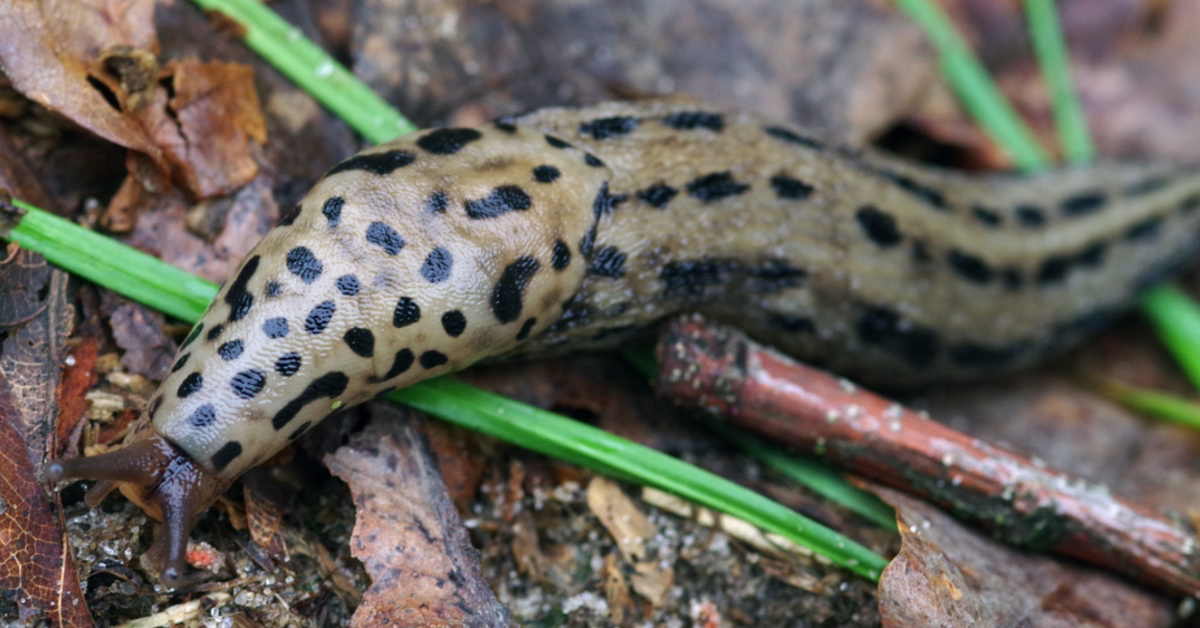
(569, 229)
(164, 481)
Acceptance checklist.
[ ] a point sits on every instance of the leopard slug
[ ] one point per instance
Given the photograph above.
(569, 229)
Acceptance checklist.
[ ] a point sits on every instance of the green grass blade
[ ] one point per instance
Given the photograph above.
(310, 67)
(1176, 318)
(1046, 33)
(599, 450)
(1151, 402)
(816, 475)
(979, 94)
(159, 285)
(139, 276)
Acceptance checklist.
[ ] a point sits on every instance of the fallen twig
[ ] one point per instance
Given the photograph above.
(1021, 503)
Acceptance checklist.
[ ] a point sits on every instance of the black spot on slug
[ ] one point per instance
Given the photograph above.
(361, 341)
(883, 327)
(609, 262)
(407, 312)
(215, 332)
(318, 318)
(191, 337)
(526, 327)
(792, 137)
(432, 359)
(605, 128)
(588, 241)
(715, 186)
(561, 257)
(288, 364)
(448, 141)
(790, 188)
(180, 362)
(1092, 256)
(604, 203)
(1030, 217)
(437, 203)
(225, 455)
(792, 324)
(557, 143)
(509, 292)
(437, 266)
(231, 350)
(969, 267)
(504, 199)
(688, 120)
(402, 362)
(348, 285)
(1147, 229)
(203, 416)
(375, 163)
(984, 356)
(691, 278)
(1147, 186)
(879, 226)
(1053, 269)
(248, 383)
(275, 327)
(1190, 204)
(332, 209)
(1082, 204)
(592, 160)
(546, 174)
(1012, 278)
(274, 288)
(382, 235)
(924, 192)
(986, 217)
(658, 195)
(328, 385)
(505, 127)
(192, 383)
(237, 297)
(920, 252)
(303, 264)
(454, 322)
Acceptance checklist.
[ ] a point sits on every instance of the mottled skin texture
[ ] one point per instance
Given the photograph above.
(568, 229)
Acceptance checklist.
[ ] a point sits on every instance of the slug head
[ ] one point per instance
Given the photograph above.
(162, 480)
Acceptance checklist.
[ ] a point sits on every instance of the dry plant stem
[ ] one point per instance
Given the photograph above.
(1020, 502)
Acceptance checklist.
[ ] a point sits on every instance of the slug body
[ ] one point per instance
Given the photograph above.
(567, 229)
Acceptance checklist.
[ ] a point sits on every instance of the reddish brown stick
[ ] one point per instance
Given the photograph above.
(722, 372)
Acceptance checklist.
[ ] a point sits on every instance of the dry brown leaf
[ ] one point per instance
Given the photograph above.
(34, 563)
(37, 316)
(77, 379)
(264, 518)
(408, 534)
(949, 575)
(52, 48)
(627, 525)
(621, 607)
(653, 581)
(217, 113)
(35, 566)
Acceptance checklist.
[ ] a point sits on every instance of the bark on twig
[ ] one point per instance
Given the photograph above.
(1020, 502)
